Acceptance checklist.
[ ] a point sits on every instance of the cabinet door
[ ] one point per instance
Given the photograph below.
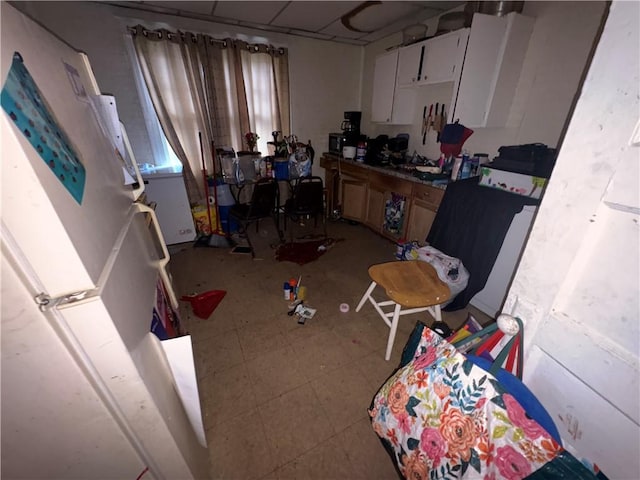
(492, 65)
(395, 215)
(354, 199)
(375, 208)
(384, 80)
(444, 56)
(410, 64)
(420, 220)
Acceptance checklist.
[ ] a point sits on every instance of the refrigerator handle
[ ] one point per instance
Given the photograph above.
(140, 188)
(166, 257)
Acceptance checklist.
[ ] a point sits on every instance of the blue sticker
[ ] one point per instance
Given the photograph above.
(25, 105)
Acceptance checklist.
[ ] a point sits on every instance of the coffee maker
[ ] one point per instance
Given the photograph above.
(351, 128)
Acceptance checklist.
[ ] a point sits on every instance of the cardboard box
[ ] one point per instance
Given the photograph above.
(201, 219)
(517, 183)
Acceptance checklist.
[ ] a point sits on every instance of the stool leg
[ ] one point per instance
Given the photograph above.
(392, 332)
(366, 295)
(438, 313)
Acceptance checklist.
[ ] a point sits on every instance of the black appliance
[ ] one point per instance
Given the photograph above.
(336, 142)
(376, 148)
(351, 128)
(350, 135)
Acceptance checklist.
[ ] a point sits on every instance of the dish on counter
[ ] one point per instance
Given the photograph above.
(427, 169)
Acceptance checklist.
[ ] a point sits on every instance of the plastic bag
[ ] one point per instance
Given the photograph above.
(450, 269)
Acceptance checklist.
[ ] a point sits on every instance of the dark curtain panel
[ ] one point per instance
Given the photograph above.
(471, 224)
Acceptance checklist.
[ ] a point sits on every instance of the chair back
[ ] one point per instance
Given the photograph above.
(308, 196)
(264, 198)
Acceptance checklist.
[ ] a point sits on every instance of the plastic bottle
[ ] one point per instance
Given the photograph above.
(293, 283)
(361, 151)
(287, 291)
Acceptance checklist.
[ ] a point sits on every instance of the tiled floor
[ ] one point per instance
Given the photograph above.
(282, 400)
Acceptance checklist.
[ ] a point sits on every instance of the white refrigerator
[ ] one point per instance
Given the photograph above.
(87, 390)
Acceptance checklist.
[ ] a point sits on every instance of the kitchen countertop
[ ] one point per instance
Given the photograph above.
(391, 170)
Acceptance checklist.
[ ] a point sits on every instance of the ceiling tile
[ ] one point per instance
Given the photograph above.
(251, 11)
(313, 19)
(203, 8)
(312, 16)
(339, 30)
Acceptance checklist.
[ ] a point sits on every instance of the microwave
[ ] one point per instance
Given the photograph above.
(336, 142)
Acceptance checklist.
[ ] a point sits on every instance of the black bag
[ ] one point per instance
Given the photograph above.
(531, 159)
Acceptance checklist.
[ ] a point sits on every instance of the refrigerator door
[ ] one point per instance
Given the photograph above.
(55, 423)
(113, 329)
(67, 241)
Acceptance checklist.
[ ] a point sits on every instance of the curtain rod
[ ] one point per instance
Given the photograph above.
(194, 38)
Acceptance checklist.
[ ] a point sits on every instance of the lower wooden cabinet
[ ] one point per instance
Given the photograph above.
(375, 208)
(367, 196)
(354, 199)
(421, 218)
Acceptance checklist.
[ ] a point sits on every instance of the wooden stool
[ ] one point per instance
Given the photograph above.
(413, 285)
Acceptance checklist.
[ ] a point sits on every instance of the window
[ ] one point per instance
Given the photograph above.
(162, 155)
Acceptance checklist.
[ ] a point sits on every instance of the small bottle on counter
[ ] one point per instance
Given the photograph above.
(455, 171)
(361, 151)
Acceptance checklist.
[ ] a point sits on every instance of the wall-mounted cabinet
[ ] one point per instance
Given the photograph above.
(483, 63)
(410, 61)
(391, 103)
(436, 60)
(444, 57)
(492, 64)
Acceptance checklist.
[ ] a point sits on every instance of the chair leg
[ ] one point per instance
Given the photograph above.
(392, 331)
(280, 234)
(246, 234)
(366, 295)
(438, 313)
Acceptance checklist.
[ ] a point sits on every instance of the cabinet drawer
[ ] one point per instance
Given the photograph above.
(353, 170)
(430, 195)
(390, 183)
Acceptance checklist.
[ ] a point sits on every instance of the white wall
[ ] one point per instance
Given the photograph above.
(324, 76)
(557, 54)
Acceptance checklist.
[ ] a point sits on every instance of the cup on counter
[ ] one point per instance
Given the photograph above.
(349, 152)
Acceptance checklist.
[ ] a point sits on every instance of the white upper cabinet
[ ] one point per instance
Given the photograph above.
(410, 61)
(436, 60)
(390, 103)
(444, 56)
(492, 64)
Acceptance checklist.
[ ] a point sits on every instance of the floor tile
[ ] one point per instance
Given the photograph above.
(226, 395)
(217, 353)
(274, 373)
(375, 369)
(320, 354)
(368, 458)
(295, 422)
(239, 449)
(262, 336)
(328, 460)
(345, 395)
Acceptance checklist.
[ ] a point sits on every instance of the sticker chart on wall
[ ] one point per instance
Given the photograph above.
(22, 100)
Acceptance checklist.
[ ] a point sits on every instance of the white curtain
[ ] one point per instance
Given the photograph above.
(166, 69)
(222, 89)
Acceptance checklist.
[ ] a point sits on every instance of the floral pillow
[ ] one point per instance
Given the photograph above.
(445, 418)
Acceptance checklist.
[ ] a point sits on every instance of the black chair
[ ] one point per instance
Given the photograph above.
(307, 201)
(264, 203)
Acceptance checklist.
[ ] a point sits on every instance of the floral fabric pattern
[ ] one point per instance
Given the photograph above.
(445, 418)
